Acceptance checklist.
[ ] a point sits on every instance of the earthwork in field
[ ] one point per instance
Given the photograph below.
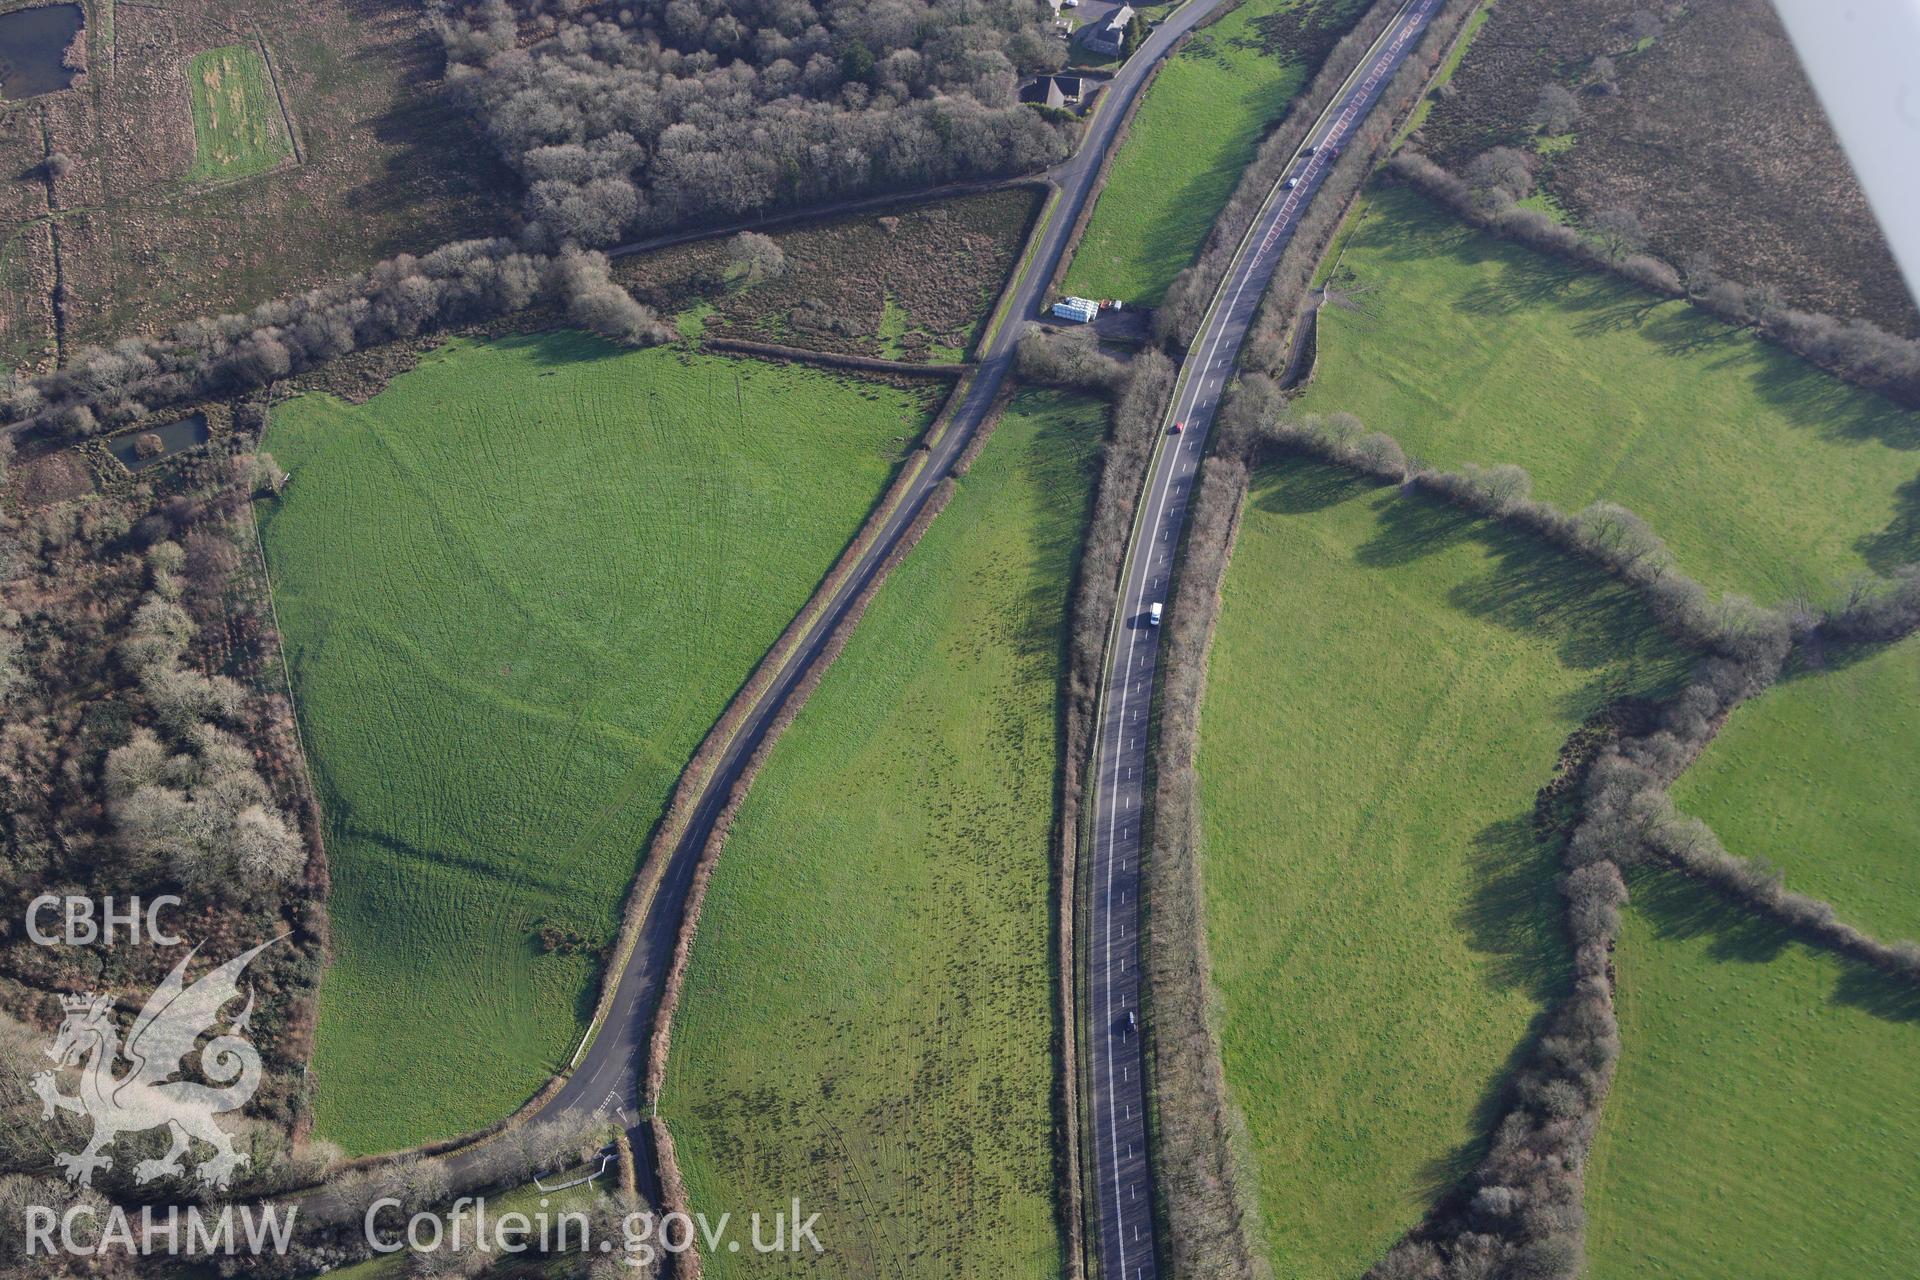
(517, 588)
(1391, 681)
(867, 1017)
(1763, 474)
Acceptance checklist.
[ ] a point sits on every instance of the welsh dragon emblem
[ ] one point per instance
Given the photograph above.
(144, 1097)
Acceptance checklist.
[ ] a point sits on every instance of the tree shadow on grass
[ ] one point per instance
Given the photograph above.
(1899, 543)
(1681, 909)
(1298, 487)
(1513, 917)
(1412, 527)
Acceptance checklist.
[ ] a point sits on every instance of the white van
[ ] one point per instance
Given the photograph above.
(1153, 615)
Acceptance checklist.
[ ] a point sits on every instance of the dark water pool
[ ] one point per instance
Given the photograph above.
(33, 43)
(174, 437)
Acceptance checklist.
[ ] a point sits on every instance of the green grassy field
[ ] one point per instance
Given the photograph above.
(237, 126)
(1201, 122)
(866, 1021)
(1763, 474)
(517, 588)
(1816, 776)
(1765, 1121)
(1390, 685)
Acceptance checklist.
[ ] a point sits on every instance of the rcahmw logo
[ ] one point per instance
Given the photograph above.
(138, 1086)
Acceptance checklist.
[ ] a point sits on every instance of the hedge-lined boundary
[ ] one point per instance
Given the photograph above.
(1180, 315)
(840, 360)
(1209, 1200)
(1856, 351)
(1521, 1211)
(673, 1188)
(1141, 394)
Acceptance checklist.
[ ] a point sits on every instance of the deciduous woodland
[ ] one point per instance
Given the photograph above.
(654, 115)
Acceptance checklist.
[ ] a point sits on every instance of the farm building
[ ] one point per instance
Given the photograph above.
(1111, 35)
(1082, 309)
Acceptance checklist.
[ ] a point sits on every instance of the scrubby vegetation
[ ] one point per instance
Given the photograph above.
(1698, 121)
(915, 283)
(867, 1022)
(146, 748)
(1762, 474)
(658, 115)
(1192, 135)
(518, 586)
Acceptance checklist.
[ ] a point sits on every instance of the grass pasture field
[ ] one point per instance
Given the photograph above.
(517, 588)
(1763, 474)
(866, 1021)
(1765, 1118)
(1192, 136)
(1816, 777)
(913, 284)
(1391, 683)
(237, 126)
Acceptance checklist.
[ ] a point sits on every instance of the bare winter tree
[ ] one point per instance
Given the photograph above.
(1556, 111)
(1619, 233)
(756, 257)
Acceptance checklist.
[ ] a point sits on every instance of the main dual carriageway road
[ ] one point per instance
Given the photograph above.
(1120, 1178)
(605, 1081)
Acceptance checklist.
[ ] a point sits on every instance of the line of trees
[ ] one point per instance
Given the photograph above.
(1520, 1213)
(1605, 534)
(1857, 350)
(658, 115)
(109, 388)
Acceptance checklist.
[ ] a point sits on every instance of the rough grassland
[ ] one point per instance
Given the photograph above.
(517, 588)
(1765, 1121)
(913, 284)
(1390, 685)
(866, 1021)
(1200, 124)
(1817, 778)
(237, 128)
(1763, 474)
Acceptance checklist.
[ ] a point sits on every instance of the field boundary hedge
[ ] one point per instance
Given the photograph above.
(1521, 1211)
(1208, 1199)
(660, 1039)
(1855, 351)
(840, 359)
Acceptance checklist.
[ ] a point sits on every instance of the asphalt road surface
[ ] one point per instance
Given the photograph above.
(1119, 1179)
(606, 1081)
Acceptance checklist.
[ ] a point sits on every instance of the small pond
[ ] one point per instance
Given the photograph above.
(140, 449)
(33, 46)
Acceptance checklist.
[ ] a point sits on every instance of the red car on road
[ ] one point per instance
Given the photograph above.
(1176, 428)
